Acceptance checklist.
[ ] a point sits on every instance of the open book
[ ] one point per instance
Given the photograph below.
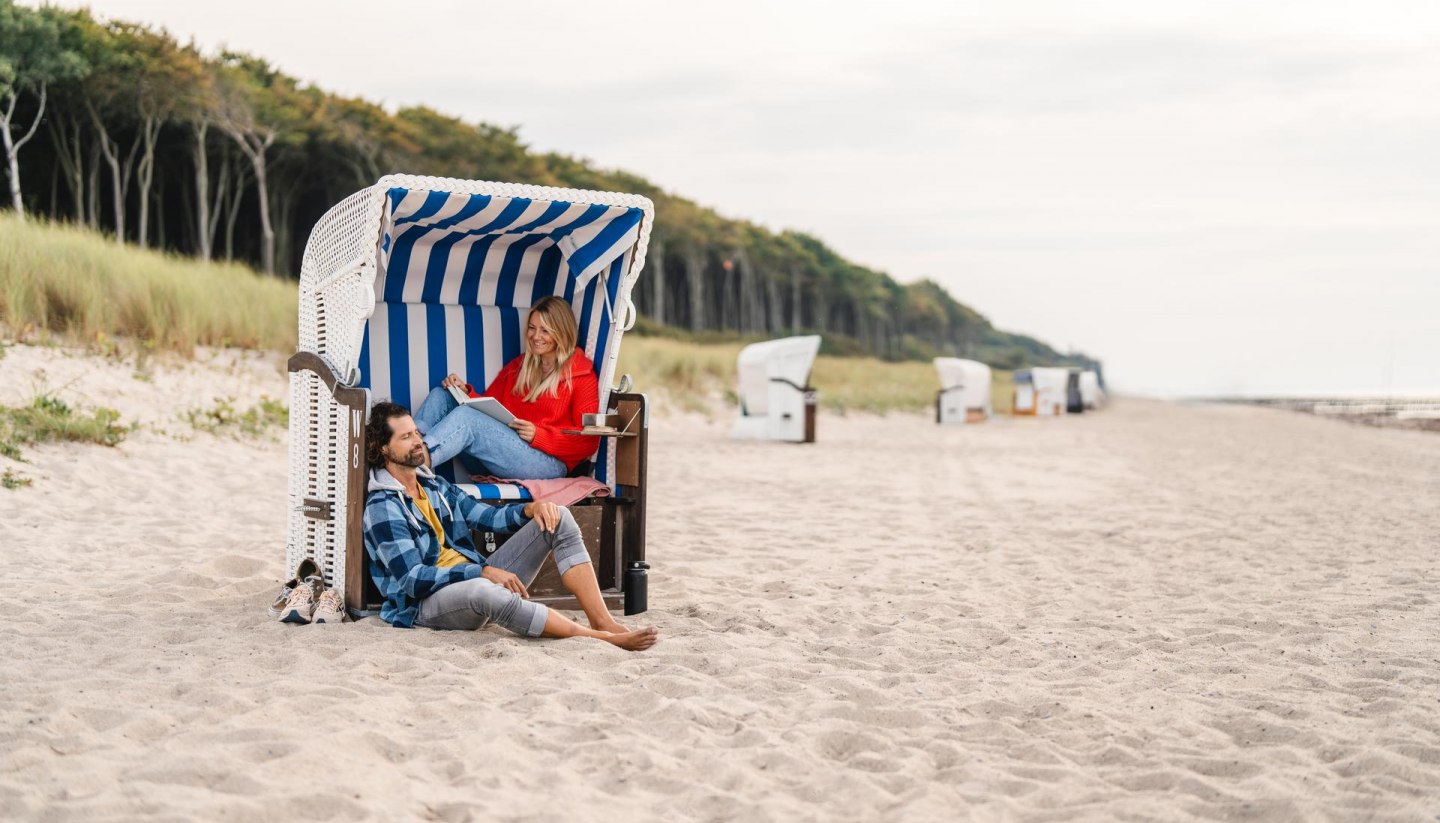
(488, 405)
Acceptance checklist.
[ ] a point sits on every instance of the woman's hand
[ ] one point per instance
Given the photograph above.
(546, 514)
(524, 428)
(453, 380)
(500, 577)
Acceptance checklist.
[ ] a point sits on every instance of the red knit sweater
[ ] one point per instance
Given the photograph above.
(551, 414)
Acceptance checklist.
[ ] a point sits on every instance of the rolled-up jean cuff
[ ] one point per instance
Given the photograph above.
(570, 559)
(538, 615)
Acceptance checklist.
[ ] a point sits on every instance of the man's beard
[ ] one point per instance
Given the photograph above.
(413, 460)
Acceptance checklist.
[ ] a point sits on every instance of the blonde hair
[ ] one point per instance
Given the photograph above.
(557, 318)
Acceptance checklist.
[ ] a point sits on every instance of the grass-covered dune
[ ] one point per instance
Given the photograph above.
(86, 288)
(82, 286)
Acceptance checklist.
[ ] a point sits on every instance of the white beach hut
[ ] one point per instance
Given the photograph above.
(964, 395)
(776, 399)
(1040, 391)
(416, 277)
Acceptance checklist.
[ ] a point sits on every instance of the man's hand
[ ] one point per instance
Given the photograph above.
(453, 380)
(524, 428)
(546, 514)
(501, 577)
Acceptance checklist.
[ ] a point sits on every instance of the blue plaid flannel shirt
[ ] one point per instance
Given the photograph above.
(402, 546)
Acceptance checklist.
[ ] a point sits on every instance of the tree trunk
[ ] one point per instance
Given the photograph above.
(284, 233)
(190, 233)
(254, 147)
(13, 146)
(92, 195)
(234, 210)
(119, 175)
(217, 206)
(145, 174)
(267, 231)
(795, 315)
(65, 134)
(775, 320)
(159, 195)
(695, 274)
(204, 232)
(657, 279)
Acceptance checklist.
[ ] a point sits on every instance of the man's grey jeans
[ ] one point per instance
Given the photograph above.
(475, 603)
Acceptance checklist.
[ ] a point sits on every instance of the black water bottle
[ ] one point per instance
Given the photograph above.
(636, 583)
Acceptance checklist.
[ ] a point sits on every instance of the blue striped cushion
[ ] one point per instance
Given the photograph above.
(495, 491)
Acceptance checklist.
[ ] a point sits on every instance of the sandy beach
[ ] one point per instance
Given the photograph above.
(1161, 611)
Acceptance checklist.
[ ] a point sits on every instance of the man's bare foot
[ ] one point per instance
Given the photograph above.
(610, 626)
(636, 641)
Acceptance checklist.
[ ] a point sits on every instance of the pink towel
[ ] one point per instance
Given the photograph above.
(562, 491)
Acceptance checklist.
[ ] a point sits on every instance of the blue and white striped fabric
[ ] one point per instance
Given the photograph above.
(495, 491)
(457, 273)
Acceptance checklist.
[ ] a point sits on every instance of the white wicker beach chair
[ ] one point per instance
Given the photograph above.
(417, 277)
(1040, 392)
(1091, 395)
(965, 393)
(776, 399)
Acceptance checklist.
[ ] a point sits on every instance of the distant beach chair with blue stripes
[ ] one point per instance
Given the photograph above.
(417, 277)
(776, 399)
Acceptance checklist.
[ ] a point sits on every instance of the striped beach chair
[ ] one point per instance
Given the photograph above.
(417, 277)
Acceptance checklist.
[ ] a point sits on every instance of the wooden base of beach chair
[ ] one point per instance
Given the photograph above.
(599, 525)
(811, 401)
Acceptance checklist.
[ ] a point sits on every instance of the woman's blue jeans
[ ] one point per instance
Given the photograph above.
(492, 447)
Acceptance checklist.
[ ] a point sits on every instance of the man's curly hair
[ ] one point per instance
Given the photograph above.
(378, 433)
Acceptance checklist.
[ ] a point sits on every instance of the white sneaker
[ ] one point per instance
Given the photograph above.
(300, 605)
(305, 569)
(330, 608)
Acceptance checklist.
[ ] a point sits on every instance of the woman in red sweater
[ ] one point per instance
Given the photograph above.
(547, 388)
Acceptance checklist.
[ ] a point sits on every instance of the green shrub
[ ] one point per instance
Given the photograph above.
(224, 417)
(49, 419)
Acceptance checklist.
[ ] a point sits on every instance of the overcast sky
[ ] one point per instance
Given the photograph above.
(1212, 197)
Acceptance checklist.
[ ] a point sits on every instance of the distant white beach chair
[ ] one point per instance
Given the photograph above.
(776, 399)
(964, 396)
(1091, 395)
(1040, 391)
(417, 277)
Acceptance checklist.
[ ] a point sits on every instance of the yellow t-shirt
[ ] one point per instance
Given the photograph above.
(448, 556)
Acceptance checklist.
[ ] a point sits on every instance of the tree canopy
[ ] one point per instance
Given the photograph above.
(224, 155)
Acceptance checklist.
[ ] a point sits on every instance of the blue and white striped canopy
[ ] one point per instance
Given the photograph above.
(457, 272)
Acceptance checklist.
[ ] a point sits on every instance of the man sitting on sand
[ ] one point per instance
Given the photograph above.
(417, 533)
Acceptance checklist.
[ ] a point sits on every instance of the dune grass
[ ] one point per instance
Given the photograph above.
(80, 285)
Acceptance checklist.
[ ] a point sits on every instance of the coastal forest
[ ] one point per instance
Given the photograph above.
(120, 128)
